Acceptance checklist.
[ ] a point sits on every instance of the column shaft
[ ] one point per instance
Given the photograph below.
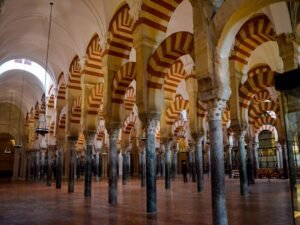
(58, 170)
(113, 158)
(230, 161)
(49, 166)
(151, 164)
(88, 171)
(242, 164)
(72, 164)
(168, 165)
(219, 209)
(199, 163)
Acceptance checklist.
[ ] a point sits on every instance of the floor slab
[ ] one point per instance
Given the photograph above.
(36, 204)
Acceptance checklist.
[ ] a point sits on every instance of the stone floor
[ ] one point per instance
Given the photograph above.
(36, 204)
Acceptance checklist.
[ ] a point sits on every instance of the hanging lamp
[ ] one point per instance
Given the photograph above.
(18, 145)
(42, 129)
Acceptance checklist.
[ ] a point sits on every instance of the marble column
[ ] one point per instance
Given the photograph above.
(143, 168)
(284, 160)
(151, 125)
(42, 165)
(208, 161)
(168, 164)
(161, 164)
(58, 169)
(72, 140)
(78, 167)
(125, 166)
(113, 158)
(97, 159)
(251, 162)
(16, 163)
(256, 146)
(89, 137)
(199, 162)
(242, 163)
(230, 160)
(192, 163)
(28, 166)
(49, 165)
(174, 164)
(292, 164)
(219, 208)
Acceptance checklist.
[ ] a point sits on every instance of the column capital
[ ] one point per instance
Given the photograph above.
(215, 108)
(73, 139)
(90, 136)
(113, 133)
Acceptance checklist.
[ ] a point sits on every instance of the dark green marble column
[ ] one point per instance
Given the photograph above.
(242, 167)
(97, 165)
(151, 163)
(42, 165)
(250, 153)
(168, 144)
(58, 169)
(143, 168)
(89, 137)
(124, 168)
(199, 162)
(49, 166)
(113, 158)
(72, 140)
(230, 161)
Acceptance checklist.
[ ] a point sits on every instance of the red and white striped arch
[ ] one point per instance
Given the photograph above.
(252, 34)
(93, 63)
(123, 78)
(174, 76)
(61, 87)
(253, 85)
(52, 129)
(120, 38)
(156, 14)
(270, 128)
(75, 74)
(76, 111)
(129, 99)
(175, 108)
(266, 120)
(62, 119)
(178, 126)
(95, 99)
(129, 123)
(201, 109)
(257, 110)
(173, 47)
(261, 97)
(101, 132)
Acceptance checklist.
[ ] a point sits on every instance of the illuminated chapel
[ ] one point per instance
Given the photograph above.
(150, 112)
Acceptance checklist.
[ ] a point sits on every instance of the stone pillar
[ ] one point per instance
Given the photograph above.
(97, 165)
(168, 164)
(161, 164)
(208, 161)
(58, 169)
(174, 164)
(143, 167)
(49, 166)
(89, 137)
(78, 167)
(192, 165)
(230, 160)
(279, 155)
(16, 164)
(72, 140)
(256, 146)
(284, 159)
(42, 165)
(28, 166)
(242, 163)
(125, 166)
(113, 158)
(199, 162)
(151, 125)
(292, 166)
(251, 163)
(23, 164)
(219, 209)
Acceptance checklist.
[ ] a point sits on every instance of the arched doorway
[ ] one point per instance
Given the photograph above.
(7, 143)
(267, 150)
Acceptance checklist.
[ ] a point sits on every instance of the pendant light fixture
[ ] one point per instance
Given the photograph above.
(18, 145)
(42, 129)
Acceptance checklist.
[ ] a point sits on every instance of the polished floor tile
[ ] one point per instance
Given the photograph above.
(35, 204)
